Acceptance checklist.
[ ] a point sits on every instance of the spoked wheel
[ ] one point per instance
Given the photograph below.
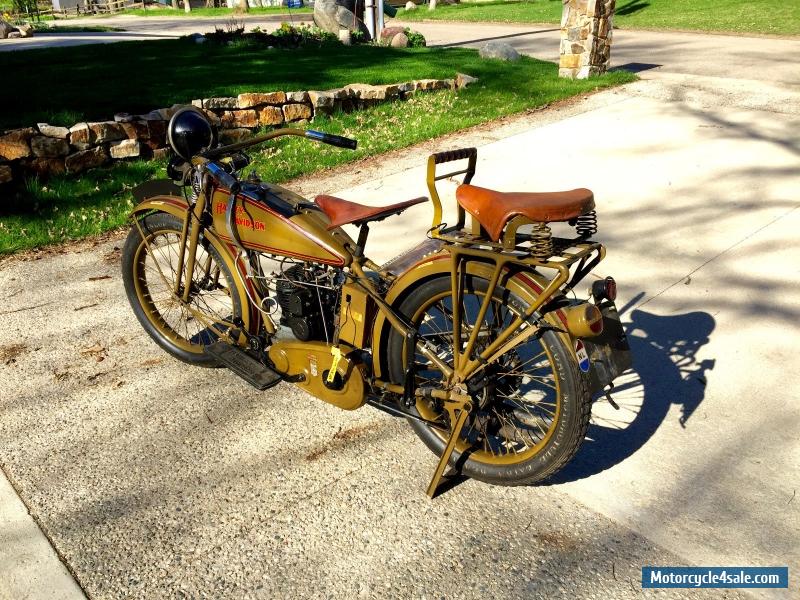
(149, 270)
(530, 408)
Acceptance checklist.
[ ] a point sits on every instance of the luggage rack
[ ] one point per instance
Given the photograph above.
(538, 249)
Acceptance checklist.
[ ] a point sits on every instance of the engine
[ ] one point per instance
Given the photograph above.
(308, 302)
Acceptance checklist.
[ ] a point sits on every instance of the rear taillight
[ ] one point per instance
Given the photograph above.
(604, 289)
(584, 320)
(596, 325)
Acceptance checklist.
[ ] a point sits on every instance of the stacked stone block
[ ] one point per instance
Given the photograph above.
(47, 150)
(586, 33)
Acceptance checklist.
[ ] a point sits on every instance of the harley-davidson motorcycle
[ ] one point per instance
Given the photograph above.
(475, 335)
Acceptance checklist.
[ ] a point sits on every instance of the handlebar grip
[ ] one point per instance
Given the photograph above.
(450, 155)
(222, 176)
(333, 140)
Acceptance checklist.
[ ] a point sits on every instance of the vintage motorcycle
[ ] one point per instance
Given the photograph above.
(471, 335)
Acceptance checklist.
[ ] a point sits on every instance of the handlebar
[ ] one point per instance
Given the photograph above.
(333, 140)
(317, 136)
(229, 181)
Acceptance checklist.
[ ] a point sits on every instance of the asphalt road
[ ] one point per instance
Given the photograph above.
(157, 480)
(144, 28)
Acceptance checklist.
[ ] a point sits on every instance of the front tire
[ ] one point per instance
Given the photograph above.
(532, 410)
(149, 269)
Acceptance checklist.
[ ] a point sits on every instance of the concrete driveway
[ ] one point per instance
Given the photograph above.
(152, 479)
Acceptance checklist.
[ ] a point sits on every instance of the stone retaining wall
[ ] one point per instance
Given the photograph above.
(46, 150)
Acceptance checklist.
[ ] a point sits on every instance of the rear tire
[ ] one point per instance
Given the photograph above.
(527, 437)
(162, 314)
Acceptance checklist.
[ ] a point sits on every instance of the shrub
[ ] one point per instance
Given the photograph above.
(286, 36)
(415, 39)
(358, 37)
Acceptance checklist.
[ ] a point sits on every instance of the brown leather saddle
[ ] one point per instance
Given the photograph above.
(494, 210)
(343, 212)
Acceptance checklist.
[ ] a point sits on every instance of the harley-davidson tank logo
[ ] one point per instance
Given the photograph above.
(242, 218)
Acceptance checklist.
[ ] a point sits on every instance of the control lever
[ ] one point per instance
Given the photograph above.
(223, 177)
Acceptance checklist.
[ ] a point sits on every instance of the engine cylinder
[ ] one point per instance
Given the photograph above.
(306, 308)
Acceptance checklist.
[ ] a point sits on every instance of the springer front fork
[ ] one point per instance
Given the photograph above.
(190, 236)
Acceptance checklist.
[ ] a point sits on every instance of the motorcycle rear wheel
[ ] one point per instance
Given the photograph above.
(532, 411)
(149, 269)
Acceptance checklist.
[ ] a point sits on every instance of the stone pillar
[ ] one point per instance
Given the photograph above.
(585, 38)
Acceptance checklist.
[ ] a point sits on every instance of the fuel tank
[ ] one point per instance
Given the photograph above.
(274, 220)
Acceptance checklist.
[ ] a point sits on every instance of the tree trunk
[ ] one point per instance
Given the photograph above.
(244, 5)
(175, 4)
(432, 5)
(187, 6)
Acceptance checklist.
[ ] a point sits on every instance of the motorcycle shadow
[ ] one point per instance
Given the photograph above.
(665, 372)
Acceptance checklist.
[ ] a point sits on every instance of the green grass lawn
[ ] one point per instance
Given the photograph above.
(60, 85)
(739, 16)
(69, 208)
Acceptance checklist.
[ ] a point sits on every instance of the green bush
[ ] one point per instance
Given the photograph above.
(358, 37)
(415, 39)
(25, 8)
(286, 36)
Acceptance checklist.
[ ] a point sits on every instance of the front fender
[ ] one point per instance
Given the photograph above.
(155, 187)
(177, 206)
(527, 285)
(174, 205)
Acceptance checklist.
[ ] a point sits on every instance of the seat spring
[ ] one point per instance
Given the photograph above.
(586, 225)
(541, 241)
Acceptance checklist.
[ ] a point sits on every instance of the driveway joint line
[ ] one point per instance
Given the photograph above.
(716, 256)
(48, 537)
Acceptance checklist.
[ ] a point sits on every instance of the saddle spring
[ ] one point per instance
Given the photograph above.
(586, 225)
(541, 241)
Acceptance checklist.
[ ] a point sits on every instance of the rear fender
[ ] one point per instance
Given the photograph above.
(609, 352)
(177, 206)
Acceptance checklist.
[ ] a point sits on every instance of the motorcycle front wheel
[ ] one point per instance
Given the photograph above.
(149, 271)
(530, 408)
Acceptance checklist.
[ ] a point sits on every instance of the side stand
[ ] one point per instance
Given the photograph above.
(463, 413)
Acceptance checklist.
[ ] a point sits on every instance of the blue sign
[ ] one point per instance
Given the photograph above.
(583, 356)
(715, 577)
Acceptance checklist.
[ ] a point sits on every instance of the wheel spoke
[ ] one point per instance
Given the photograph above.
(198, 321)
(517, 410)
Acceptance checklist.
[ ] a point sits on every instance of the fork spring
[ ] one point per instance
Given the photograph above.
(541, 241)
(586, 225)
(197, 186)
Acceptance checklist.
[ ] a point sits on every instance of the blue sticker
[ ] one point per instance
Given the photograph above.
(583, 356)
